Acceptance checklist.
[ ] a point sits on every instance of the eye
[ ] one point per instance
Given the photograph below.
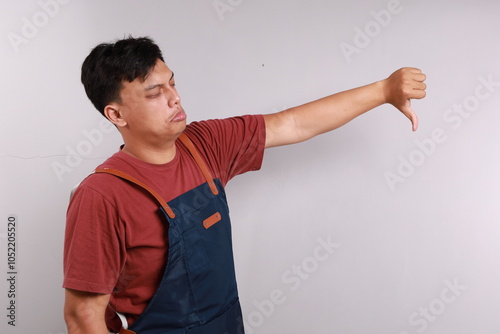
(152, 96)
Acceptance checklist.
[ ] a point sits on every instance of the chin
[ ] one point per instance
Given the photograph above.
(182, 126)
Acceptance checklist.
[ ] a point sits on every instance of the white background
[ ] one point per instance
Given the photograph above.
(410, 213)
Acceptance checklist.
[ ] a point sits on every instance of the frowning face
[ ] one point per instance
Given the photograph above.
(150, 111)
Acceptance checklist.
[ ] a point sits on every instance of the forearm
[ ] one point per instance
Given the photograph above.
(333, 111)
(306, 121)
(311, 119)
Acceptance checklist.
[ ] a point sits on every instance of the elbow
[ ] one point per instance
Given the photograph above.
(71, 320)
(84, 312)
(284, 128)
(80, 319)
(76, 320)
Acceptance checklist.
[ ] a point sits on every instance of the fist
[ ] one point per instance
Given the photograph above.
(402, 86)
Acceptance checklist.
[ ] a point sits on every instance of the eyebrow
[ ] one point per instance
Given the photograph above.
(153, 86)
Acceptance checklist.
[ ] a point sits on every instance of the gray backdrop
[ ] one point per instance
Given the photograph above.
(369, 229)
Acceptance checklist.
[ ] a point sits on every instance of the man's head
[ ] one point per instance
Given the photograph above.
(109, 65)
(130, 84)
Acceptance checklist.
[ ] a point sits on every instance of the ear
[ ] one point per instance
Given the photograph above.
(114, 115)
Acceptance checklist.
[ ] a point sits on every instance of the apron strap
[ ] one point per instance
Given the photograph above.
(201, 163)
(127, 177)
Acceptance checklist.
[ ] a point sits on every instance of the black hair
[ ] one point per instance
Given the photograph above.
(109, 64)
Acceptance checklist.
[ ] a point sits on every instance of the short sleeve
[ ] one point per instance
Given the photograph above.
(93, 250)
(232, 146)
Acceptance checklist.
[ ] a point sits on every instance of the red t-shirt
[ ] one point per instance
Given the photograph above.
(116, 240)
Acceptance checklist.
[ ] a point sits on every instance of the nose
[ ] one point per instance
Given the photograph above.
(174, 99)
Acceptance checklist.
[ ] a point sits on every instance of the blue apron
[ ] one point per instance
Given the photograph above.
(198, 293)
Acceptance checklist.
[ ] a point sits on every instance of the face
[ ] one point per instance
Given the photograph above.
(150, 111)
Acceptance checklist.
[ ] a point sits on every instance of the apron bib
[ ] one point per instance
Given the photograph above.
(198, 292)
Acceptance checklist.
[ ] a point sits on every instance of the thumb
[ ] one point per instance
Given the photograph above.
(407, 110)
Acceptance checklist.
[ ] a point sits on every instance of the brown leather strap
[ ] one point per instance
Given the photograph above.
(127, 177)
(201, 163)
(197, 157)
(126, 331)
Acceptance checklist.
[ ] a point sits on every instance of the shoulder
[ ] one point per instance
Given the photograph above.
(231, 146)
(227, 132)
(214, 127)
(103, 186)
(98, 188)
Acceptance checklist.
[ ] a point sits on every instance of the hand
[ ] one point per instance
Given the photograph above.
(401, 86)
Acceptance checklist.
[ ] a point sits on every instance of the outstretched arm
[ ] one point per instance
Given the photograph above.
(306, 121)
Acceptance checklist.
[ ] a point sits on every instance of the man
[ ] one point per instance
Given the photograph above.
(129, 264)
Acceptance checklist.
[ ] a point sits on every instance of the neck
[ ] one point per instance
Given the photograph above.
(152, 155)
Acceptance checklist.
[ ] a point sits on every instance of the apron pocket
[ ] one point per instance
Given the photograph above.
(230, 321)
(194, 248)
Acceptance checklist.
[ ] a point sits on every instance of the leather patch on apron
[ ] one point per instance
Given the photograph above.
(212, 220)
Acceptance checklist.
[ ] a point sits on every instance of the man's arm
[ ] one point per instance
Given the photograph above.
(84, 312)
(306, 121)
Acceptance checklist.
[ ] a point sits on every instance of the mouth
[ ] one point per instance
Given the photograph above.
(179, 116)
